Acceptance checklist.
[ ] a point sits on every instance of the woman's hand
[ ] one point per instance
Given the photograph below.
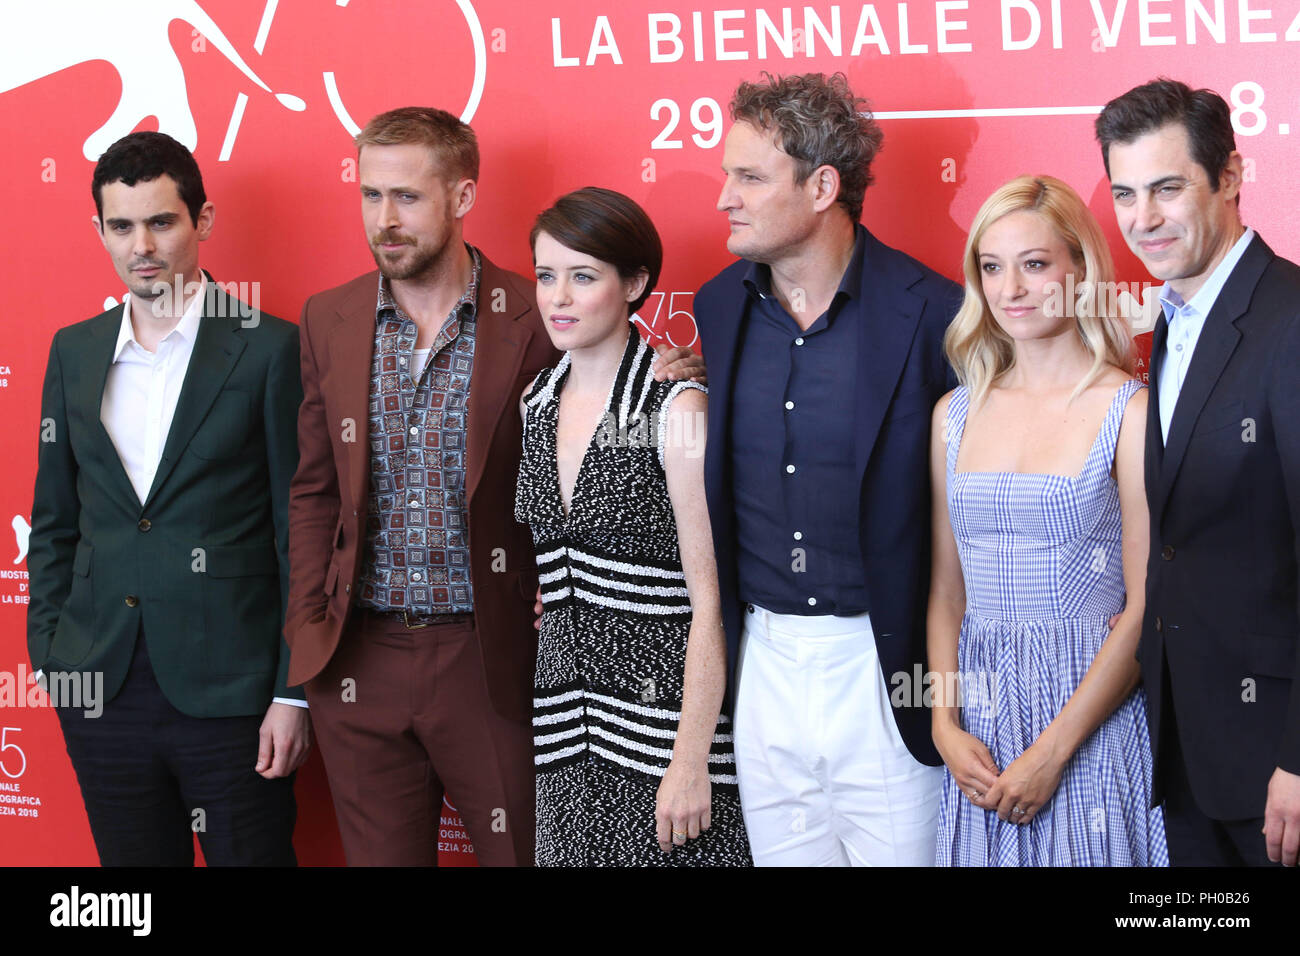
(970, 763)
(682, 804)
(1027, 783)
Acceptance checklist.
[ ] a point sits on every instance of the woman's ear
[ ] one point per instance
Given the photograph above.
(636, 285)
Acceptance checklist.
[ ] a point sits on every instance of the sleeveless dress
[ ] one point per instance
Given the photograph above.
(1041, 557)
(612, 649)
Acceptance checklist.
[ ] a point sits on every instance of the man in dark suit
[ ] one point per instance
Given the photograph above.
(410, 611)
(825, 356)
(159, 541)
(1221, 631)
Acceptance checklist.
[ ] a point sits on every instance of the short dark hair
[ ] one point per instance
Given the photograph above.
(143, 157)
(608, 226)
(454, 145)
(818, 122)
(1151, 107)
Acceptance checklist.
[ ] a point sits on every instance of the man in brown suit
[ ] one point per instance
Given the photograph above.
(411, 586)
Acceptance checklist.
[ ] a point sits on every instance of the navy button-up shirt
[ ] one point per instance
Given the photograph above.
(792, 451)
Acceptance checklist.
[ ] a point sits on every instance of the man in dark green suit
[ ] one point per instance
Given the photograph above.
(158, 557)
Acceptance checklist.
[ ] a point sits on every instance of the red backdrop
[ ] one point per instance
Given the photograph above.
(562, 95)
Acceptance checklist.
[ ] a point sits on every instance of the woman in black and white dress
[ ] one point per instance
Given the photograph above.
(634, 763)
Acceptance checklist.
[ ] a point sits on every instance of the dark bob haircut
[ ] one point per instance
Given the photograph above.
(143, 157)
(608, 226)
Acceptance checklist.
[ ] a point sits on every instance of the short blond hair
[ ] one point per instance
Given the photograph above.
(454, 145)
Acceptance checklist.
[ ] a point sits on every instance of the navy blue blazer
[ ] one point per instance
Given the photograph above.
(1221, 627)
(906, 309)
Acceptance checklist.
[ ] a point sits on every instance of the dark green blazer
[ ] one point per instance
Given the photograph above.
(201, 568)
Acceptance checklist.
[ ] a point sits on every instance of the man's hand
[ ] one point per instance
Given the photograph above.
(283, 741)
(1282, 817)
(679, 365)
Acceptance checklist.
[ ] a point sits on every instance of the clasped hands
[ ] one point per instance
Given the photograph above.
(1016, 793)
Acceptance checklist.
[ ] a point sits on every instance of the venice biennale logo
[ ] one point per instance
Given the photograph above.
(38, 39)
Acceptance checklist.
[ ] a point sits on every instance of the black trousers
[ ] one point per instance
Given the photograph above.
(1195, 839)
(152, 777)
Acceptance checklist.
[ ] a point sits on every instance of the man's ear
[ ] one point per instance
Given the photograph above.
(825, 185)
(1230, 178)
(207, 218)
(99, 230)
(463, 197)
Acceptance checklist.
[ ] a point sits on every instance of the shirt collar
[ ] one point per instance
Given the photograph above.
(466, 305)
(187, 328)
(1203, 301)
(758, 277)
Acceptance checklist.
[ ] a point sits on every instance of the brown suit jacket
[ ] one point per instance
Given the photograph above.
(329, 494)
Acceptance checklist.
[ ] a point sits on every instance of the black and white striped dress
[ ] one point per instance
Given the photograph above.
(612, 650)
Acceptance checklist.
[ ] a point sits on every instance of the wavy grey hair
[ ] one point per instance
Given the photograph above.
(818, 122)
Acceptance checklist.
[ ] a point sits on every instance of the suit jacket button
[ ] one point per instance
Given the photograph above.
(132, 600)
(1167, 552)
(145, 524)
(347, 589)
(1160, 625)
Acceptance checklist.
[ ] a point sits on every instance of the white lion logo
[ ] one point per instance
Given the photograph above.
(22, 532)
(41, 38)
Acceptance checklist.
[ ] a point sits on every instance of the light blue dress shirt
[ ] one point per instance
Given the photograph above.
(1186, 320)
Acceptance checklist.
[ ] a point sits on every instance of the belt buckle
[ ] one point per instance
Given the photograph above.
(406, 619)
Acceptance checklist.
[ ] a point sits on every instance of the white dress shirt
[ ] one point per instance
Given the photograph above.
(1186, 320)
(140, 397)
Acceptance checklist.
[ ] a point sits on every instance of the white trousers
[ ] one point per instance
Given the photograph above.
(825, 779)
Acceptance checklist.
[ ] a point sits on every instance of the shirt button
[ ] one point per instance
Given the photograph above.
(789, 469)
(799, 341)
(789, 406)
(132, 600)
(812, 602)
(415, 575)
(402, 360)
(414, 503)
(1178, 347)
(414, 430)
(798, 535)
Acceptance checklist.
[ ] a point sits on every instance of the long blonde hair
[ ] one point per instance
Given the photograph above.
(977, 348)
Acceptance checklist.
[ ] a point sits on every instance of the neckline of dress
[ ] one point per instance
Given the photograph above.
(1041, 474)
(634, 343)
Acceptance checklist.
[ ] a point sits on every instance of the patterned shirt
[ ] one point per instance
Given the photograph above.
(417, 540)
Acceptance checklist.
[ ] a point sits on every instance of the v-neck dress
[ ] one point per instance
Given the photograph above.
(1042, 561)
(612, 649)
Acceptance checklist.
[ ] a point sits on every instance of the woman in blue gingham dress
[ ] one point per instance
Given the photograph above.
(1040, 557)
(1037, 572)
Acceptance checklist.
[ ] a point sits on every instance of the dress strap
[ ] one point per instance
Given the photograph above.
(954, 424)
(690, 429)
(1102, 455)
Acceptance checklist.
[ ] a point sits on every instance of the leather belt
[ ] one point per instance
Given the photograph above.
(415, 621)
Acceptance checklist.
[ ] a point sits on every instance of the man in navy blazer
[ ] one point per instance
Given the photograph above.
(1221, 630)
(825, 359)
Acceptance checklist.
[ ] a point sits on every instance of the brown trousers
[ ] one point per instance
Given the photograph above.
(402, 716)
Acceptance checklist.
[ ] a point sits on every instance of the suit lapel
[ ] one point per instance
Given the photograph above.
(99, 359)
(351, 352)
(216, 350)
(1214, 348)
(726, 330)
(889, 317)
(1155, 447)
(500, 343)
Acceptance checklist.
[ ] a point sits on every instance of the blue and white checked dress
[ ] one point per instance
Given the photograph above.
(1041, 556)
